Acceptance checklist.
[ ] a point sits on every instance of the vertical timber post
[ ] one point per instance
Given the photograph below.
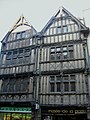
(37, 110)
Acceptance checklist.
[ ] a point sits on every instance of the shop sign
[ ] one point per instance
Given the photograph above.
(66, 111)
(15, 109)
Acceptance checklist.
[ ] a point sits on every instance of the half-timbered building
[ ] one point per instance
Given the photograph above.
(17, 72)
(63, 64)
(44, 75)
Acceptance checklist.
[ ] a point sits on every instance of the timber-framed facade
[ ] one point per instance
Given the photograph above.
(44, 75)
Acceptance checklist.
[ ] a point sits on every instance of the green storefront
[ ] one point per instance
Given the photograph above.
(15, 113)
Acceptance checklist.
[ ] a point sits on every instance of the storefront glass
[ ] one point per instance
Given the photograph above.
(15, 116)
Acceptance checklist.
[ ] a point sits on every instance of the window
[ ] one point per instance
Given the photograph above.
(55, 83)
(65, 48)
(66, 86)
(72, 86)
(69, 83)
(18, 85)
(25, 84)
(58, 49)
(65, 83)
(52, 78)
(58, 78)
(20, 51)
(58, 56)
(62, 52)
(52, 87)
(9, 55)
(23, 34)
(18, 36)
(53, 50)
(59, 30)
(55, 53)
(4, 85)
(52, 56)
(65, 52)
(65, 55)
(14, 56)
(11, 85)
(65, 29)
(52, 83)
(27, 50)
(72, 77)
(66, 77)
(58, 87)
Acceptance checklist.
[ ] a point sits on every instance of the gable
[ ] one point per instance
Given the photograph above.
(62, 22)
(21, 29)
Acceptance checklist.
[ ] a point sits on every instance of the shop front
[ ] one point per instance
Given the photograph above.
(63, 113)
(15, 113)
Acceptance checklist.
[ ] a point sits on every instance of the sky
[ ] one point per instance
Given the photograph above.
(38, 12)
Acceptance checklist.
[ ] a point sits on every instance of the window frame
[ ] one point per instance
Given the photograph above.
(61, 52)
(18, 35)
(63, 84)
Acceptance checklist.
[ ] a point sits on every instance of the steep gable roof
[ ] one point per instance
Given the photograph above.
(62, 12)
(21, 22)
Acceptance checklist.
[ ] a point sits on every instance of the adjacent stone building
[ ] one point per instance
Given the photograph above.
(45, 75)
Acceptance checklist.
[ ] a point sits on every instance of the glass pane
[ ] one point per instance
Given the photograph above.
(71, 55)
(27, 50)
(18, 35)
(65, 55)
(70, 47)
(9, 53)
(52, 56)
(14, 52)
(72, 77)
(59, 30)
(58, 87)
(25, 84)
(4, 86)
(52, 87)
(66, 86)
(58, 49)
(66, 77)
(65, 29)
(11, 85)
(18, 86)
(52, 49)
(21, 51)
(72, 86)
(23, 34)
(65, 48)
(52, 78)
(58, 56)
(58, 78)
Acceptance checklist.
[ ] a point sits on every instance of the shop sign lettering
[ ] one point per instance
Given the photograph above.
(64, 111)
